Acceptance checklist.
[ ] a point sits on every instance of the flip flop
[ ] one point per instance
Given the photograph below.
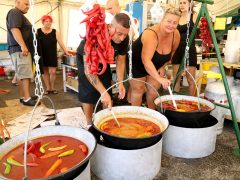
(14, 84)
(54, 91)
(47, 92)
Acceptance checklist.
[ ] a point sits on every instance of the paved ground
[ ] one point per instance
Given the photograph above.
(222, 164)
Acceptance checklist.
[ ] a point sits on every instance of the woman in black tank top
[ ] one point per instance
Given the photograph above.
(176, 60)
(151, 51)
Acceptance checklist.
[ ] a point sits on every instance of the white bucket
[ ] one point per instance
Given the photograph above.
(85, 174)
(114, 164)
(232, 35)
(237, 110)
(215, 92)
(219, 114)
(236, 105)
(230, 80)
(231, 52)
(190, 142)
(238, 36)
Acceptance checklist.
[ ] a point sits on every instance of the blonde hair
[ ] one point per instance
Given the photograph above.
(171, 9)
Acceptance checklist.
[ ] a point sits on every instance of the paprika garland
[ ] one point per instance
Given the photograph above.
(98, 49)
(205, 34)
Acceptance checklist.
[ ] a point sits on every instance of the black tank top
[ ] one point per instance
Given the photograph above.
(48, 43)
(183, 32)
(158, 59)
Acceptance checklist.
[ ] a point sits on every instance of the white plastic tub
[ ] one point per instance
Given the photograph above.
(190, 142)
(114, 164)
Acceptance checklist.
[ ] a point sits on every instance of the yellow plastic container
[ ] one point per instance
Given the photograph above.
(206, 67)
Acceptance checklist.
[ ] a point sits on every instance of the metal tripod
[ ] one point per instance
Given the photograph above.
(204, 13)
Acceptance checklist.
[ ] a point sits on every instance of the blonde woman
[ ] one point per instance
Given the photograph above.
(151, 51)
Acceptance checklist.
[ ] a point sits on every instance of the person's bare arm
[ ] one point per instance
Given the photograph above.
(120, 68)
(194, 17)
(60, 42)
(19, 38)
(149, 41)
(97, 84)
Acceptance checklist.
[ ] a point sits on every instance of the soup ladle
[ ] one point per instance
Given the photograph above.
(173, 100)
(114, 117)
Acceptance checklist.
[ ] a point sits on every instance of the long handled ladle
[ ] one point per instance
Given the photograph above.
(173, 100)
(114, 117)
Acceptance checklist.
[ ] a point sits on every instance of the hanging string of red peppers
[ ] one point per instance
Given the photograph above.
(205, 34)
(98, 49)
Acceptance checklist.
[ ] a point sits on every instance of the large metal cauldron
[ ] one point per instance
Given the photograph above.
(185, 119)
(68, 131)
(134, 112)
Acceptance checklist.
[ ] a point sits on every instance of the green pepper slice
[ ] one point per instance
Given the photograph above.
(13, 162)
(42, 148)
(66, 153)
(8, 168)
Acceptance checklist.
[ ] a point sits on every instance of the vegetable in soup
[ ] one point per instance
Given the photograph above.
(130, 127)
(185, 106)
(46, 156)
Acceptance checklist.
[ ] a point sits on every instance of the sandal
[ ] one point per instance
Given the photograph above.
(14, 84)
(54, 91)
(47, 92)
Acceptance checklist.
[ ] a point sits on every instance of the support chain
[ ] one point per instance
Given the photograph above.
(189, 13)
(39, 90)
(130, 41)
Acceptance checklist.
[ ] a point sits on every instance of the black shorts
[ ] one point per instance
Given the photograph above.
(86, 92)
(177, 57)
(137, 72)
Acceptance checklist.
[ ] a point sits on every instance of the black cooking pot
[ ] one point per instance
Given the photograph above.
(69, 174)
(77, 133)
(124, 143)
(185, 119)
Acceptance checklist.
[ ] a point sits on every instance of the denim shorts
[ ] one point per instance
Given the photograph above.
(22, 65)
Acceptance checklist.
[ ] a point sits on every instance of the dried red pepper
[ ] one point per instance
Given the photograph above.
(98, 49)
(205, 35)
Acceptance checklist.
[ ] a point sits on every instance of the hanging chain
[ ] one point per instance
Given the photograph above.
(189, 13)
(130, 40)
(39, 87)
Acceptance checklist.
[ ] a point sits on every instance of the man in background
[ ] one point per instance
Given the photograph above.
(113, 7)
(20, 42)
